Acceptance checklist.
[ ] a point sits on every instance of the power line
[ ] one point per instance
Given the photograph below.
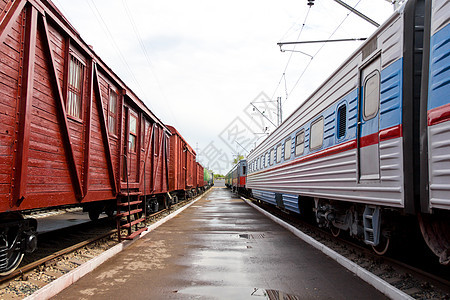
(321, 47)
(147, 57)
(290, 56)
(111, 38)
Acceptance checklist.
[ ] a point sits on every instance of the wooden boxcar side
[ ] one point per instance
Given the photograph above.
(71, 131)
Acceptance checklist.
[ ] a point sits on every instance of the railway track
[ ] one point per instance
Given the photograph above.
(63, 250)
(411, 279)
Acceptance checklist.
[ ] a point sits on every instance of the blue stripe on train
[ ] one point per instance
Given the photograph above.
(391, 93)
(265, 196)
(290, 201)
(439, 76)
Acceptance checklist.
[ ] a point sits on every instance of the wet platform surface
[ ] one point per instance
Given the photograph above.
(220, 248)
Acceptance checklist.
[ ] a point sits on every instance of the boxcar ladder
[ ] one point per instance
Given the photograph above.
(129, 214)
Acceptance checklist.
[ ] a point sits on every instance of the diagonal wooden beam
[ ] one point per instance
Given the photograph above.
(166, 156)
(87, 131)
(9, 15)
(104, 129)
(159, 159)
(147, 151)
(26, 95)
(73, 169)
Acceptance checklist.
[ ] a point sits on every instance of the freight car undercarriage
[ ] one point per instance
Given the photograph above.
(17, 237)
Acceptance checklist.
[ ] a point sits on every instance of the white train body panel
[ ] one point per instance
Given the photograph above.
(439, 106)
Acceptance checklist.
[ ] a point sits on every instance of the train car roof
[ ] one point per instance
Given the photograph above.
(174, 131)
(61, 21)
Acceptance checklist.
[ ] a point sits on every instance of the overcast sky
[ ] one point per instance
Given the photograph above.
(198, 64)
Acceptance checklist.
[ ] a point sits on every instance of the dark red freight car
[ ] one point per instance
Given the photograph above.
(71, 131)
(200, 183)
(181, 160)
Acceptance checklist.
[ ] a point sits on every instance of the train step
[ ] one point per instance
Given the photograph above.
(128, 225)
(371, 220)
(124, 194)
(127, 213)
(135, 234)
(129, 203)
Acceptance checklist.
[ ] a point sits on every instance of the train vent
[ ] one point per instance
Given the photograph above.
(342, 121)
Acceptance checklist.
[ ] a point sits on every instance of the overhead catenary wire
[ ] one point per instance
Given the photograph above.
(147, 58)
(105, 27)
(317, 52)
(290, 56)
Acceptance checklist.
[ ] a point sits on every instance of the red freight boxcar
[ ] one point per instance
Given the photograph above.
(71, 132)
(200, 183)
(181, 159)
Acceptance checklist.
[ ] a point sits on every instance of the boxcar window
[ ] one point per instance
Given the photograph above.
(287, 148)
(341, 121)
(133, 132)
(75, 86)
(278, 153)
(112, 112)
(316, 138)
(300, 143)
(272, 155)
(371, 95)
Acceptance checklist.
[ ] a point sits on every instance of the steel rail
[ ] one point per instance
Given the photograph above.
(35, 264)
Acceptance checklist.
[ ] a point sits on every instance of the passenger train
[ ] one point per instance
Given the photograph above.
(371, 145)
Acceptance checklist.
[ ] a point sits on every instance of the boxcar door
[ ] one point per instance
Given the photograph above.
(368, 138)
(131, 169)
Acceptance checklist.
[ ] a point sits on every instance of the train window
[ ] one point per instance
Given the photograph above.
(272, 155)
(341, 121)
(75, 87)
(267, 159)
(316, 137)
(133, 133)
(244, 169)
(287, 148)
(300, 143)
(261, 162)
(371, 95)
(112, 112)
(278, 153)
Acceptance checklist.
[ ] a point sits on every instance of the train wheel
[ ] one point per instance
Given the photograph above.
(175, 199)
(382, 247)
(335, 231)
(10, 254)
(436, 233)
(94, 214)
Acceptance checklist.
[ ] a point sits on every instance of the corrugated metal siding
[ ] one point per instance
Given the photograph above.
(438, 97)
(291, 202)
(265, 196)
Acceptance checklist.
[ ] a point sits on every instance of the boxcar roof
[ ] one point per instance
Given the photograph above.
(57, 17)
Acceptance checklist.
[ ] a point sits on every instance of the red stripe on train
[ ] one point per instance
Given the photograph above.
(371, 139)
(439, 114)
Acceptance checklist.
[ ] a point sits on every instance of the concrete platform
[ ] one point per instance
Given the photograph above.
(220, 248)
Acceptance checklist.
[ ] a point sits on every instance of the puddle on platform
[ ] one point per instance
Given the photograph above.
(220, 292)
